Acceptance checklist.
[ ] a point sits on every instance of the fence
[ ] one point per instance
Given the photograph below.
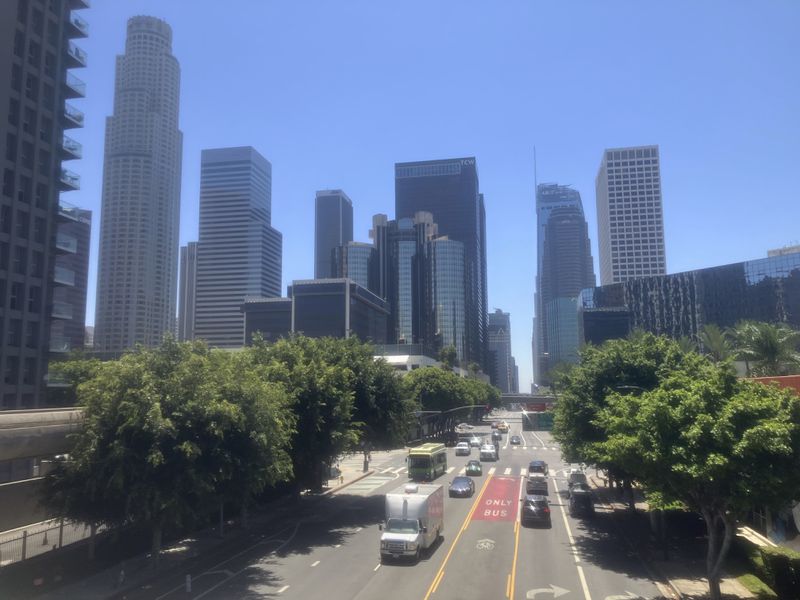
(26, 542)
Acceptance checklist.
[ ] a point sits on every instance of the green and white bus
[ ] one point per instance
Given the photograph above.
(427, 462)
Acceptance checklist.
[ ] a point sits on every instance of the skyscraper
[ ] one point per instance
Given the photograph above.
(564, 268)
(333, 227)
(630, 221)
(449, 190)
(36, 52)
(357, 261)
(138, 259)
(186, 291)
(239, 253)
(502, 368)
(447, 305)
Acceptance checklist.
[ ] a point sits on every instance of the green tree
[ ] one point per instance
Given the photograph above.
(767, 349)
(434, 389)
(715, 343)
(448, 356)
(715, 443)
(322, 392)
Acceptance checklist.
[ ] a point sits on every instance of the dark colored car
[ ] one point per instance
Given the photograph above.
(497, 436)
(461, 487)
(474, 467)
(515, 440)
(580, 503)
(535, 509)
(538, 466)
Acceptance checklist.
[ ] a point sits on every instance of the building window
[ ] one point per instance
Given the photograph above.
(8, 183)
(37, 264)
(11, 147)
(17, 295)
(20, 260)
(42, 193)
(32, 335)
(23, 224)
(32, 87)
(27, 155)
(34, 299)
(14, 336)
(29, 371)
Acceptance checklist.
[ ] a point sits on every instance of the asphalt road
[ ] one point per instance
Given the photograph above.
(330, 549)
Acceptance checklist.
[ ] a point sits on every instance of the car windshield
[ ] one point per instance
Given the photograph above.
(459, 481)
(402, 526)
(419, 462)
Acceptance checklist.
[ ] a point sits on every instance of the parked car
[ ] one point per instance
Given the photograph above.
(515, 440)
(538, 466)
(463, 449)
(461, 487)
(535, 509)
(474, 468)
(580, 502)
(475, 441)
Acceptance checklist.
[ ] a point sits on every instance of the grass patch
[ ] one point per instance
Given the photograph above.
(757, 587)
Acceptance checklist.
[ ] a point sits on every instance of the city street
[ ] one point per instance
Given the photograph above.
(331, 549)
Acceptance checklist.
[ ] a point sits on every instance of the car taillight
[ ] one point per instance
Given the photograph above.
(546, 510)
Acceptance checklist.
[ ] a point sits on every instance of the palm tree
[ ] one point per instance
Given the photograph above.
(687, 344)
(771, 349)
(715, 342)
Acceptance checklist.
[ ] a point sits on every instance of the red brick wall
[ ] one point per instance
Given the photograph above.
(787, 381)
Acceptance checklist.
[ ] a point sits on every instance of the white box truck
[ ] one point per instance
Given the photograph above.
(414, 520)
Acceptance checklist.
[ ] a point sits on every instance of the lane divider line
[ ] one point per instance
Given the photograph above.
(578, 566)
(464, 525)
(314, 564)
(508, 586)
(516, 541)
(283, 589)
(378, 566)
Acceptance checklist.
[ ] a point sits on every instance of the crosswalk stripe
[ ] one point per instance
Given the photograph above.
(492, 470)
(507, 471)
(462, 471)
(522, 471)
(386, 470)
(398, 470)
(553, 448)
(450, 470)
(524, 447)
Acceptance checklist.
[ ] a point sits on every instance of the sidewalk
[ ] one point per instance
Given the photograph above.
(48, 577)
(684, 571)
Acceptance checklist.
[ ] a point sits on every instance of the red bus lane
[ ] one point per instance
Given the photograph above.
(500, 500)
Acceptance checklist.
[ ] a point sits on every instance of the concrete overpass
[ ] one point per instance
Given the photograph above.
(37, 433)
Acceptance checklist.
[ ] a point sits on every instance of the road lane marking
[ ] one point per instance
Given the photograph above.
(283, 589)
(437, 581)
(398, 470)
(338, 546)
(387, 469)
(523, 471)
(578, 566)
(450, 470)
(378, 566)
(462, 471)
(314, 564)
(464, 525)
(508, 586)
(513, 575)
(358, 529)
(507, 471)
(492, 470)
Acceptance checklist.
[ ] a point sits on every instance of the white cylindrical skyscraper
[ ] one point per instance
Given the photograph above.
(138, 258)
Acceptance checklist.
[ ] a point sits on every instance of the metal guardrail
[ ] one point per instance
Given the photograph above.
(39, 538)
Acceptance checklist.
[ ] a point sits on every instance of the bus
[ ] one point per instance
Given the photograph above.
(427, 462)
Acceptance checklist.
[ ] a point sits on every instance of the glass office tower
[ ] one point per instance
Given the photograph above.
(333, 227)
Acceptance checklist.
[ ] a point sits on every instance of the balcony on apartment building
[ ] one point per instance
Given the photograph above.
(64, 276)
(66, 243)
(75, 57)
(70, 149)
(59, 344)
(77, 27)
(72, 117)
(61, 310)
(78, 4)
(74, 87)
(69, 181)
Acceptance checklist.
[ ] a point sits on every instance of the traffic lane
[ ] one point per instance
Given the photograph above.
(481, 561)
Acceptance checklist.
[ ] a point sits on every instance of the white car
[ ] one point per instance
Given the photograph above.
(488, 452)
(475, 442)
(463, 449)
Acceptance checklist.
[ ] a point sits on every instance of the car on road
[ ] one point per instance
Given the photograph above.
(576, 478)
(461, 487)
(535, 509)
(502, 426)
(474, 468)
(515, 440)
(488, 452)
(497, 436)
(463, 449)
(464, 426)
(494, 424)
(580, 502)
(475, 441)
(538, 466)
(536, 484)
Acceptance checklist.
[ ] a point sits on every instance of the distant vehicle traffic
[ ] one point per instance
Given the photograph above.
(464, 427)
(580, 502)
(474, 468)
(414, 520)
(461, 487)
(497, 436)
(538, 466)
(515, 440)
(463, 449)
(537, 484)
(535, 509)
(475, 441)
(502, 426)
(427, 462)
(488, 452)
(576, 477)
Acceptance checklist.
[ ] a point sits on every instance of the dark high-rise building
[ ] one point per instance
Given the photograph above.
(502, 366)
(565, 267)
(333, 227)
(318, 308)
(357, 261)
(138, 259)
(448, 189)
(680, 304)
(446, 304)
(36, 53)
(239, 253)
(187, 287)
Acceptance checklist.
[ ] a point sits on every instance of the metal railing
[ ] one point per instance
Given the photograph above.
(39, 538)
(76, 85)
(73, 114)
(78, 54)
(79, 24)
(71, 147)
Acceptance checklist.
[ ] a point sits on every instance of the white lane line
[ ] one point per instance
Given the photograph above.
(283, 589)
(576, 554)
(315, 563)
(553, 449)
(387, 469)
(358, 529)
(492, 470)
(338, 546)
(378, 566)
(523, 471)
(541, 441)
(524, 447)
(507, 471)
(450, 470)
(462, 471)
(398, 470)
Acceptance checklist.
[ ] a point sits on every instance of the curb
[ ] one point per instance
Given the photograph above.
(655, 573)
(344, 485)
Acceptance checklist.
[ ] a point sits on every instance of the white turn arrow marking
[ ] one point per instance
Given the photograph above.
(626, 596)
(553, 589)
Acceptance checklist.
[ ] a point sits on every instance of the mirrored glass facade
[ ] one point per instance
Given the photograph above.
(448, 317)
(679, 305)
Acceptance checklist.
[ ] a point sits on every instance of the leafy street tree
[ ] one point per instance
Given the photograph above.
(159, 435)
(434, 389)
(715, 343)
(448, 356)
(767, 349)
(711, 441)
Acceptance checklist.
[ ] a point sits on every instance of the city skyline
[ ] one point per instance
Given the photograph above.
(702, 99)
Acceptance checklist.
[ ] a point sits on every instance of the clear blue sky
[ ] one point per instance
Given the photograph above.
(334, 93)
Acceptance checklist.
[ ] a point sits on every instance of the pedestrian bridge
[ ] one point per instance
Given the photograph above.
(37, 433)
